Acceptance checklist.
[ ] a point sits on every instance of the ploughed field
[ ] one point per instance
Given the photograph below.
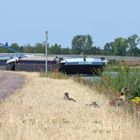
(38, 111)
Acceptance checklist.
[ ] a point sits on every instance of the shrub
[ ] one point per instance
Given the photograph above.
(125, 77)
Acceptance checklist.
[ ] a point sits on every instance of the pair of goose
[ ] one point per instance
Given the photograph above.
(117, 102)
(66, 97)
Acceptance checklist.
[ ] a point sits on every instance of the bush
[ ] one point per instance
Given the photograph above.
(125, 77)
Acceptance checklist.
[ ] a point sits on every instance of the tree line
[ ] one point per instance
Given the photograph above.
(83, 44)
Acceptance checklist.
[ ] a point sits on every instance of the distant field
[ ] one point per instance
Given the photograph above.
(38, 111)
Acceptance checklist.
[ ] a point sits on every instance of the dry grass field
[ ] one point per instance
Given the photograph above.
(37, 111)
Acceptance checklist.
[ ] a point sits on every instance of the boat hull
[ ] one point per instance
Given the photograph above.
(81, 69)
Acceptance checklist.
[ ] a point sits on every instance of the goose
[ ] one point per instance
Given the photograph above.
(66, 97)
(94, 104)
(119, 101)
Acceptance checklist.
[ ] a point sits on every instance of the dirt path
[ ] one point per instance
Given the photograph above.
(9, 81)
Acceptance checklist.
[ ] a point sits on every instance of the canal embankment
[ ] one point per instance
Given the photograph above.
(38, 111)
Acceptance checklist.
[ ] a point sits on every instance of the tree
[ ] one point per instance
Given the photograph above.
(39, 48)
(117, 47)
(133, 41)
(29, 49)
(55, 49)
(65, 50)
(107, 49)
(15, 46)
(82, 44)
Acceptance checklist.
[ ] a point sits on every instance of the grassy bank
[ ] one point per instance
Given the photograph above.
(113, 80)
(38, 111)
(125, 77)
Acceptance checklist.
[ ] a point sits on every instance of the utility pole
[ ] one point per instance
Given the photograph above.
(46, 47)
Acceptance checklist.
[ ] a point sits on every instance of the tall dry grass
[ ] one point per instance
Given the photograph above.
(38, 111)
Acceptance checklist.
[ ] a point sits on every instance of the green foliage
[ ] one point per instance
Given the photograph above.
(121, 46)
(65, 51)
(55, 49)
(118, 47)
(15, 46)
(125, 77)
(82, 44)
(39, 48)
(107, 49)
(133, 41)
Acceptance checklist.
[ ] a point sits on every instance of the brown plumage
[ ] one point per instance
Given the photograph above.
(94, 104)
(119, 101)
(66, 97)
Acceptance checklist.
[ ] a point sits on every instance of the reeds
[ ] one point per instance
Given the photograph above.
(125, 77)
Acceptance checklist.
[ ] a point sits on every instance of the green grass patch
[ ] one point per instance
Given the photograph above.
(125, 77)
(113, 79)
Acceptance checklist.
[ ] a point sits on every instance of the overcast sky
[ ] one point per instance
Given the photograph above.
(25, 21)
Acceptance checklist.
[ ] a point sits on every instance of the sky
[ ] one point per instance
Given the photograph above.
(25, 21)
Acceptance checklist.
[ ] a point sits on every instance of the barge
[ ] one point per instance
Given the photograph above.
(33, 63)
(68, 65)
(82, 65)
